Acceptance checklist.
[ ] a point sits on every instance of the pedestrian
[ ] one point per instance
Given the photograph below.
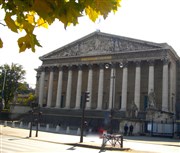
(131, 129)
(126, 129)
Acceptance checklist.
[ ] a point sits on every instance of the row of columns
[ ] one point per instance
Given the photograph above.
(101, 86)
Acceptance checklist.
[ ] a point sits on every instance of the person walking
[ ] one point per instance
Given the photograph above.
(131, 130)
(126, 129)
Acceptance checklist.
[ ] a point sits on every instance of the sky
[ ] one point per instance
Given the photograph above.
(150, 20)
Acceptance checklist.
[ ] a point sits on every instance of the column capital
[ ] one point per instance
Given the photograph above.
(113, 65)
(80, 67)
(90, 66)
(125, 64)
(51, 68)
(165, 61)
(60, 67)
(69, 67)
(151, 62)
(42, 68)
(138, 63)
(101, 65)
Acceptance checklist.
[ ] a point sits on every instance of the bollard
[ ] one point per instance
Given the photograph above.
(90, 130)
(57, 128)
(21, 124)
(13, 124)
(121, 141)
(67, 130)
(78, 131)
(5, 123)
(47, 127)
(29, 125)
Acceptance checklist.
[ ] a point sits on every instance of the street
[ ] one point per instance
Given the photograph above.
(15, 140)
(11, 144)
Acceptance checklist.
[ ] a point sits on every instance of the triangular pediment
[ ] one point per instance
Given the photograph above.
(99, 43)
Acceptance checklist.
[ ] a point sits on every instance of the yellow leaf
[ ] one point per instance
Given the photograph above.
(19, 25)
(42, 23)
(1, 43)
(93, 15)
(30, 18)
(10, 23)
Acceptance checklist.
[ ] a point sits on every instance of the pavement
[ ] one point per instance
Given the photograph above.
(89, 141)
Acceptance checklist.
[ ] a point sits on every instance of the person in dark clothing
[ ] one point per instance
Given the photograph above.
(131, 129)
(125, 129)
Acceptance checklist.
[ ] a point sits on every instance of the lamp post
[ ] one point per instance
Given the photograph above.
(84, 101)
(112, 93)
(4, 81)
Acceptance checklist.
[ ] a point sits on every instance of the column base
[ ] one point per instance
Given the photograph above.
(57, 107)
(76, 107)
(66, 108)
(165, 109)
(122, 109)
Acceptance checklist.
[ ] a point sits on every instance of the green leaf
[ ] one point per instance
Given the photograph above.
(10, 23)
(28, 41)
(67, 11)
(1, 43)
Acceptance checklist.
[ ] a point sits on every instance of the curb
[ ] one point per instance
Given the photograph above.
(98, 147)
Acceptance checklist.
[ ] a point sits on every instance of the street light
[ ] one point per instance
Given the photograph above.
(84, 101)
(4, 81)
(112, 93)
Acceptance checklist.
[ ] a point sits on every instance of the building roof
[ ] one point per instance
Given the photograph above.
(99, 43)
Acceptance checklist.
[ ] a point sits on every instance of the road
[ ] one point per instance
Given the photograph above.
(9, 144)
(14, 140)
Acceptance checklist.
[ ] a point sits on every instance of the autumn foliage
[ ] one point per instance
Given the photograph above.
(26, 15)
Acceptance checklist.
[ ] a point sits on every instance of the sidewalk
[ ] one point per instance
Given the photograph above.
(133, 144)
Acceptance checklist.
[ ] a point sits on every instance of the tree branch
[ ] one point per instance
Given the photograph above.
(3, 24)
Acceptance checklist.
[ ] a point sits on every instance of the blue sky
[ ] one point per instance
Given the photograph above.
(151, 20)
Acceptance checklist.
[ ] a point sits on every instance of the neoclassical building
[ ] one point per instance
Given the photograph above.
(135, 79)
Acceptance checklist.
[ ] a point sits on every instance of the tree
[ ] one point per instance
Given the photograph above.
(10, 77)
(25, 95)
(26, 15)
(23, 88)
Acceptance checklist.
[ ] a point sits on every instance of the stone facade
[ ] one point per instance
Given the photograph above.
(118, 72)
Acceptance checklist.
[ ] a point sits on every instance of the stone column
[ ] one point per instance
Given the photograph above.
(100, 87)
(50, 87)
(69, 86)
(89, 87)
(137, 85)
(59, 88)
(112, 88)
(41, 87)
(124, 87)
(79, 88)
(165, 92)
(173, 82)
(151, 77)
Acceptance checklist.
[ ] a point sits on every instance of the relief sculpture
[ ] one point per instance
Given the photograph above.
(96, 45)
